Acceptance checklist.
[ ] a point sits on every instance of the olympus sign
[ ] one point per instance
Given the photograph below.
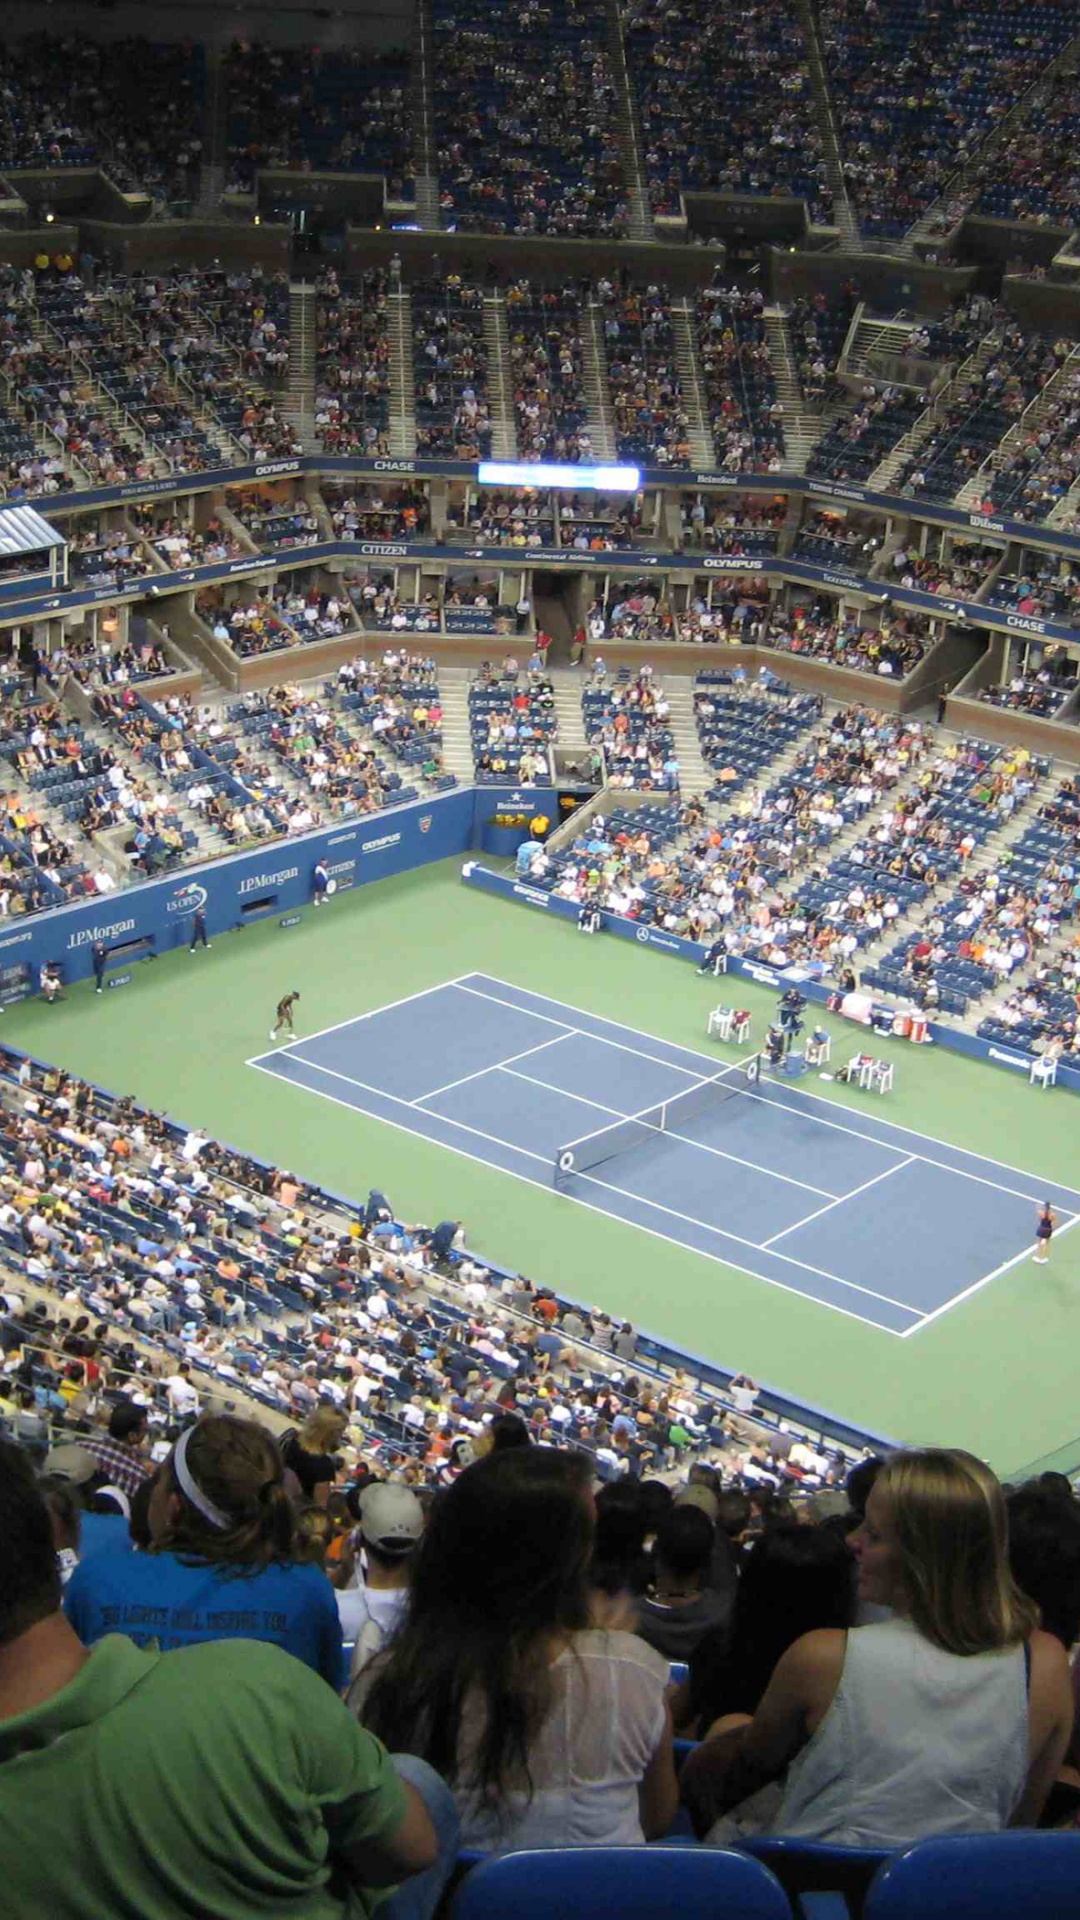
(384, 840)
(732, 563)
(276, 466)
(268, 879)
(88, 935)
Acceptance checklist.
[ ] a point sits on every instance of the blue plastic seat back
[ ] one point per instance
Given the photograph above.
(634, 1883)
(811, 1867)
(994, 1876)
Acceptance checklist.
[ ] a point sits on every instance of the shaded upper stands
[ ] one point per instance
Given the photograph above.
(450, 365)
(646, 397)
(724, 102)
(289, 614)
(736, 524)
(543, 326)
(1047, 588)
(630, 721)
(918, 87)
(986, 406)
(352, 363)
(276, 526)
(834, 540)
(742, 729)
(855, 444)
(1041, 690)
(342, 109)
(1045, 1009)
(1041, 469)
(961, 569)
(512, 722)
(100, 556)
(526, 118)
(1033, 173)
(890, 648)
(360, 512)
(134, 108)
(634, 610)
(178, 543)
(740, 392)
(818, 326)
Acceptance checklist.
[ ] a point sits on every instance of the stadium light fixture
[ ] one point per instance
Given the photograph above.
(514, 473)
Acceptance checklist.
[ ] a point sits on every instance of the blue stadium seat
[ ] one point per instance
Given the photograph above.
(995, 1876)
(822, 1882)
(634, 1883)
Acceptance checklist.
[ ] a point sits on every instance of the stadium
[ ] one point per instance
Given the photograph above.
(539, 956)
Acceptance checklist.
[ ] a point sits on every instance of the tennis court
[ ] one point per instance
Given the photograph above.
(830, 1200)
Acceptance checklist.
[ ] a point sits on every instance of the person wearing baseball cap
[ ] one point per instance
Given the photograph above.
(371, 1606)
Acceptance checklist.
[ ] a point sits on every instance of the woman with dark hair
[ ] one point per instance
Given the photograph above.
(550, 1732)
(222, 1560)
(949, 1716)
(794, 1579)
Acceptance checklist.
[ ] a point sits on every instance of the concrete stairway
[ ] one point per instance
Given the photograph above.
(1029, 422)
(500, 379)
(402, 390)
(695, 775)
(843, 213)
(800, 432)
(425, 152)
(702, 452)
(568, 682)
(595, 380)
(874, 339)
(457, 735)
(641, 220)
(299, 406)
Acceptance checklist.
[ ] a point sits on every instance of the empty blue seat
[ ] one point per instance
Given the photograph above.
(632, 1883)
(995, 1876)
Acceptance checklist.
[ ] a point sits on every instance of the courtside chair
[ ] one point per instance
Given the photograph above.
(993, 1876)
(622, 1883)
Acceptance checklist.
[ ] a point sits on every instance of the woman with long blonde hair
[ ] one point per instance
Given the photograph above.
(949, 1715)
(311, 1452)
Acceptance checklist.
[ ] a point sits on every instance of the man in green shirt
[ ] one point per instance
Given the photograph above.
(222, 1780)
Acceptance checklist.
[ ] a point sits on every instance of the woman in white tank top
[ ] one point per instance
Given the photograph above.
(950, 1716)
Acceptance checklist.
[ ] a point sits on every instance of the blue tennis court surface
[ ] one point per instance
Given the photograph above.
(884, 1224)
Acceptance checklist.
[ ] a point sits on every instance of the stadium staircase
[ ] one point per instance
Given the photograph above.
(101, 400)
(702, 452)
(800, 434)
(456, 728)
(932, 416)
(425, 155)
(500, 379)
(695, 775)
(936, 227)
(402, 390)
(299, 405)
(568, 683)
(874, 344)
(844, 220)
(1029, 422)
(641, 221)
(214, 135)
(595, 380)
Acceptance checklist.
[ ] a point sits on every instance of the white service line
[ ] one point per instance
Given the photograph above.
(354, 1018)
(599, 1039)
(397, 1100)
(497, 1066)
(841, 1198)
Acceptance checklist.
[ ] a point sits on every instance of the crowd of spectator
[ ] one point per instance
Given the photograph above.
(359, 512)
(744, 412)
(450, 360)
(1045, 588)
(334, 109)
(741, 523)
(725, 104)
(946, 565)
(890, 645)
(1042, 689)
(980, 411)
(1032, 173)
(543, 327)
(651, 421)
(526, 119)
(352, 363)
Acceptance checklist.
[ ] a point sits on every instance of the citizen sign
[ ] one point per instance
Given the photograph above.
(256, 880)
(380, 546)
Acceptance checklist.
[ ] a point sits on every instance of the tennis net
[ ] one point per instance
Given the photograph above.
(638, 1129)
